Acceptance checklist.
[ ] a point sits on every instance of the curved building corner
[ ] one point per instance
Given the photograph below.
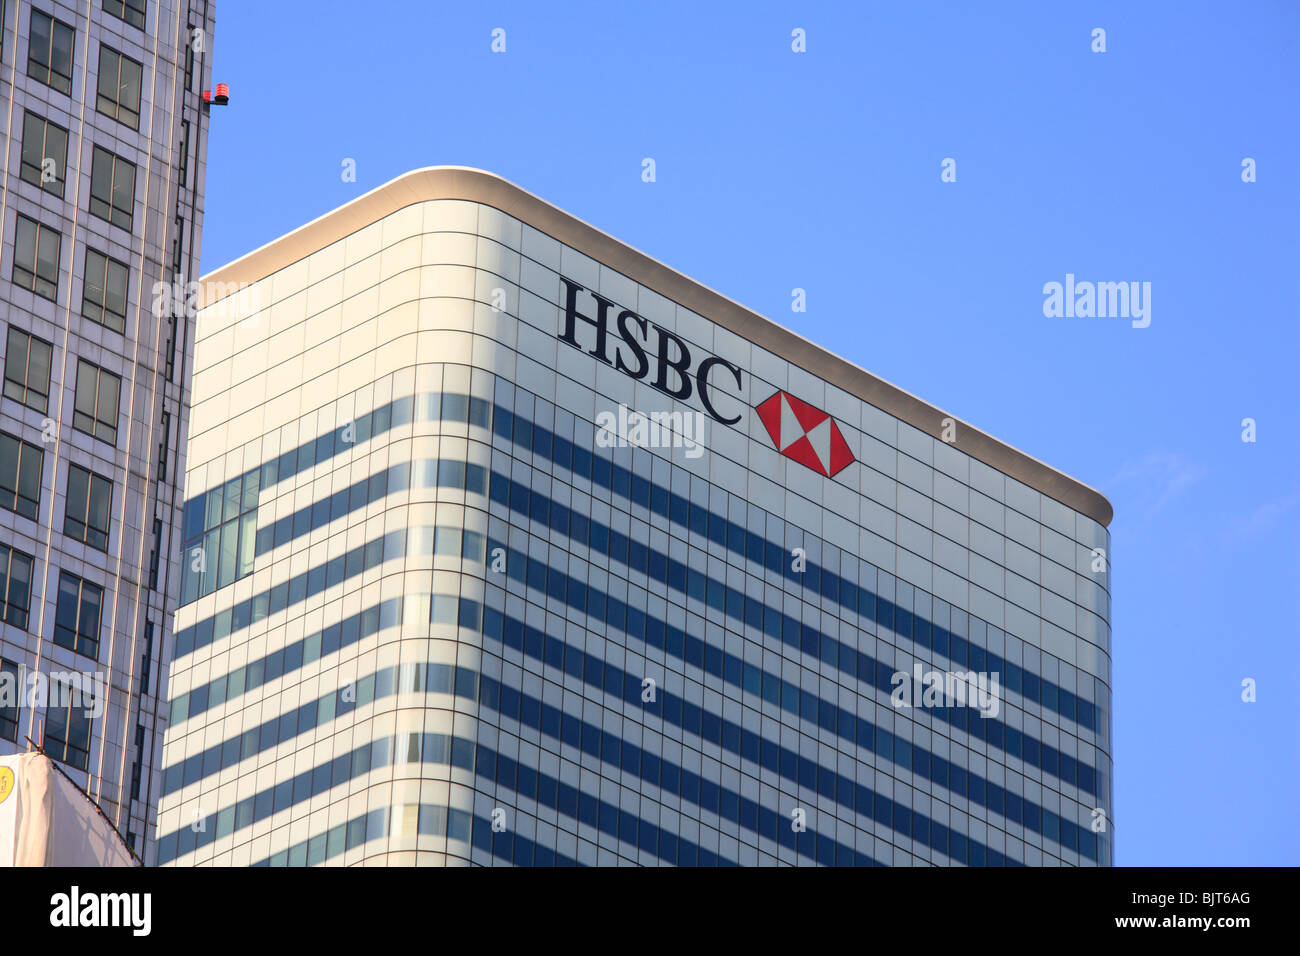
(504, 543)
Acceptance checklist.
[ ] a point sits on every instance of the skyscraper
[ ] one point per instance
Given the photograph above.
(105, 133)
(505, 543)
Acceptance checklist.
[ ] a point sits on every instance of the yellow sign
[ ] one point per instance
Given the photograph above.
(7, 783)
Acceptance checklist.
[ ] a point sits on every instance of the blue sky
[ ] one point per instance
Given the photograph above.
(821, 171)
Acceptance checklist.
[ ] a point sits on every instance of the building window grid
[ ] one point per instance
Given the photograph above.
(808, 591)
(77, 615)
(88, 509)
(112, 188)
(15, 586)
(801, 597)
(68, 725)
(131, 11)
(104, 290)
(20, 476)
(28, 361)
(44, 142)
(118, 91)
(36, 257)
(50, 51)
(96, 403)
(905, 796)
(810, 743)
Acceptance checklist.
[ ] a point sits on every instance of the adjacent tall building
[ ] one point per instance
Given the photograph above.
(506, 544)
(104, 133)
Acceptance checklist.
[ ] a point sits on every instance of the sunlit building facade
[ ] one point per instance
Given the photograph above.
(506, 544)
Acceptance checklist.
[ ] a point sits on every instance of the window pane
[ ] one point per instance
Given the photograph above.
(117, 290)
(229, 553)
(62, 59)
(107, 86)
(29, 479)
(109, 387)
(88, 625)
(38, 367)
(25, 242)
(40, 39)
(101, 497)
(129, 95)
(65, 615)
(78, 492)
(16, 360)
(247, 542)
(33, 147)
(47, 257)
(84, 404)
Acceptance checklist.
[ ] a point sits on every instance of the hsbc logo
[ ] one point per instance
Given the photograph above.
(638, 347)
(806, 434)
(645, 351)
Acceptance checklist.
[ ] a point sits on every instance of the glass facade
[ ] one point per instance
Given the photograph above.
(432, 613)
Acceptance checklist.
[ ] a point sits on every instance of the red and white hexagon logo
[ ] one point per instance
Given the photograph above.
(805, 434)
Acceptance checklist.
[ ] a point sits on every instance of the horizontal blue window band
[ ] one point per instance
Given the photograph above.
(432, 748)
(730, 736)
(683, 646)
(686, 647)
(733, 738)
(284, 661)
(733, 670)
(511, 848)
(486, 764)
(436, 406)
(294, 591)
(662, 568)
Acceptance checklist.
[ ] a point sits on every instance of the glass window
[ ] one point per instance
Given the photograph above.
(27, 369)
(112, 188)
(10, 690)
(76, 617)
(103, 297)
(36, 258)
(20, 476)
(45, 153)
(189, 57)
(184, 164)
(95, 409)
(49, 52)
(119, 87)
(132, 11)
(15, 586)
(67, 724)
(88, 506)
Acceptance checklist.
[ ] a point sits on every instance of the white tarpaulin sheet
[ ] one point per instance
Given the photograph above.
(46, 821)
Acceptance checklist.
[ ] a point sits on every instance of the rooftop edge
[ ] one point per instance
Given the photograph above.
(475, 185)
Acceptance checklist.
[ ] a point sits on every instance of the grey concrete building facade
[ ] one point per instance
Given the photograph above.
(104, 133)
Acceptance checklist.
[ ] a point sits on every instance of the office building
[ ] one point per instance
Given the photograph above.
(507, 544)
(105, 133)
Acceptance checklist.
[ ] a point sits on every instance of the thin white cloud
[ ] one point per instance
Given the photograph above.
(1154, 481)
